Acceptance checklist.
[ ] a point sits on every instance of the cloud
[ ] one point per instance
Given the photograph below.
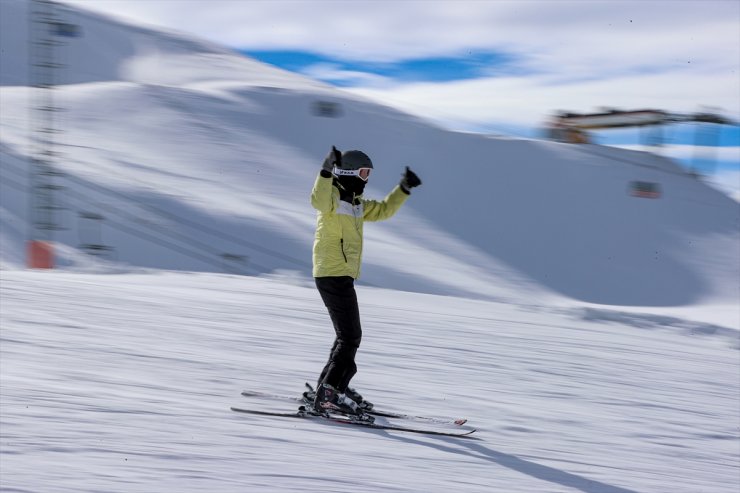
(564, 55)
(563, 34)
(340, 76)
(388, 74)
(528, 99)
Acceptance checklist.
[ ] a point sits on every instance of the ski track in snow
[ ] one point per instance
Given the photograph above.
(123, 383)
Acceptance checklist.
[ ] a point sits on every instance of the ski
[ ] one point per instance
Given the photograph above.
(374, 412)
(349, 421)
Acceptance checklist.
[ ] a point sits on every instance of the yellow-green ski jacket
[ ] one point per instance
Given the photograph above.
(337, 247)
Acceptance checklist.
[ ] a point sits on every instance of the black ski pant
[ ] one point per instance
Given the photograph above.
(340, 299)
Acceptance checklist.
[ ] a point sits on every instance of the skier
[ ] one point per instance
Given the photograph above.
(337, 254)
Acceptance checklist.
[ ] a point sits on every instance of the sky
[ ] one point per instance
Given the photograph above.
(492, 66)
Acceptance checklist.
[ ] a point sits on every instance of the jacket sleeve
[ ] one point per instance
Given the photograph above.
(379, 210)
(321, 196)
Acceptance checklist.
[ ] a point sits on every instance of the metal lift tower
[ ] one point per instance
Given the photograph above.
(43, 78)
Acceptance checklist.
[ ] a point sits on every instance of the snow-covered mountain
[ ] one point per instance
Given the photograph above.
(198, 158)
(117, 374)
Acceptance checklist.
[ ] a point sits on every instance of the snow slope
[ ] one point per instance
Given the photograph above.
(117, 375)
(201, 159)
(123, 382)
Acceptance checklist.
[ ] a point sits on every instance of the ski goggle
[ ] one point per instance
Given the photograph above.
(363, 173)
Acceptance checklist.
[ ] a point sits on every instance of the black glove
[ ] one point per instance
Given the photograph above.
(334, 158)
(409, 180)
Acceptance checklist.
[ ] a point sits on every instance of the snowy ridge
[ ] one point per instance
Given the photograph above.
(177, 139)
(654, 321)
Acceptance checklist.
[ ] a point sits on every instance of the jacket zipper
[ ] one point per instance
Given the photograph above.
(341, 244)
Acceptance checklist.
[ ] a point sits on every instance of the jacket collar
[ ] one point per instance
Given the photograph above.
(347, 196)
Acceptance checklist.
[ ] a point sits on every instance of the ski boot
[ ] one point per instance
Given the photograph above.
(309, 397)
(330, 400)
(364, 405)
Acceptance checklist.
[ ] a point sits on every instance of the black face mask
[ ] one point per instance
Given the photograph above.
(351, 185)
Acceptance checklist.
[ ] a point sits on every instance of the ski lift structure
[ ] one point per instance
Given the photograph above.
(573, 128)
(48, 34)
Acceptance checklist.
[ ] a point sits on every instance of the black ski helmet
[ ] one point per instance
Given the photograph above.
(355, 160)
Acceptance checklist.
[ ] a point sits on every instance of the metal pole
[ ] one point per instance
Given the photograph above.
(42, 82)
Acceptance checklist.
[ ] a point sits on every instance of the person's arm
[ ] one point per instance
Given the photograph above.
(321, 195)
(380, 210)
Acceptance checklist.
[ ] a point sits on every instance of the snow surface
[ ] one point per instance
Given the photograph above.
(590, 336)
(123, 382)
